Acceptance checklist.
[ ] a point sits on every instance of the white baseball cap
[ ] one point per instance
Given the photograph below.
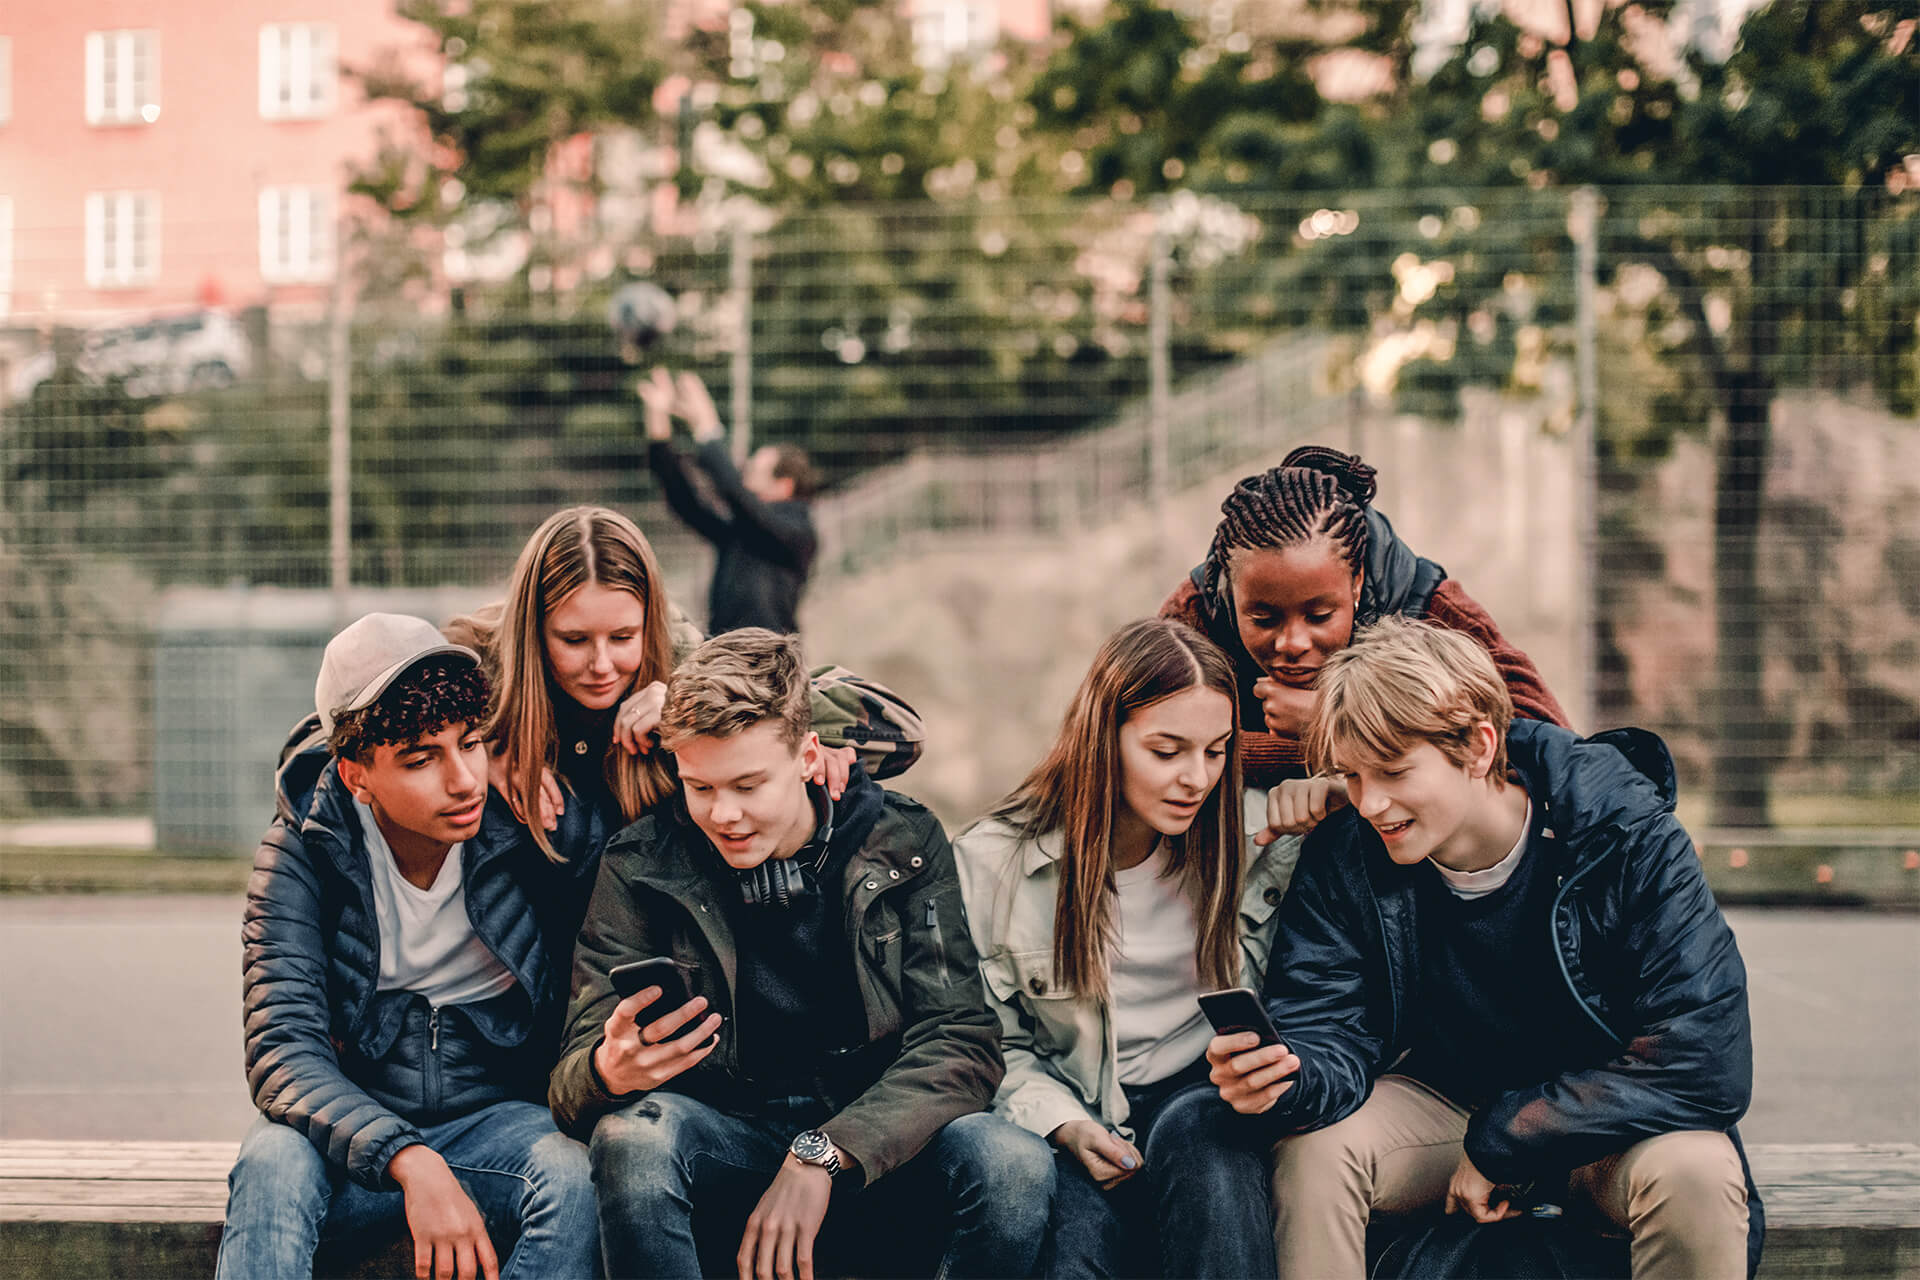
(368, 656)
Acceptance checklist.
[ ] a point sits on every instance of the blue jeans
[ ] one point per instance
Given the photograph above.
(1199, 1207)
(677, 1179)
(524, 1175)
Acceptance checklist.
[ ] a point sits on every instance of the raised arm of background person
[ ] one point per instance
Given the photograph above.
(1327, 990)
(1687, 1046)
(293, 1071)
(778, 532)
(1030, 1095)
(616, 930)
(949, 1062)
(688, 493)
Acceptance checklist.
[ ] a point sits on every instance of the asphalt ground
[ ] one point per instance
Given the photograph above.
(120, 1018)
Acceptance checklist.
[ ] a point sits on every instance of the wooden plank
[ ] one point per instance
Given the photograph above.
(133, 1196)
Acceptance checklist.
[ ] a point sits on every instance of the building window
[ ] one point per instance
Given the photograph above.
(6, 79)
(298, 70)
(123, 77)
(947, 29)
(296, 235)
(123, 239)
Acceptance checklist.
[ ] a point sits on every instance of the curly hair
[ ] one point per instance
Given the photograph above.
(1314, 492)
(419, 704)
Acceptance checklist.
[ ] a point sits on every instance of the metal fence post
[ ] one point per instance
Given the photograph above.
(1159, 362)
(339, 440)
(740, 281)
(1583, 225)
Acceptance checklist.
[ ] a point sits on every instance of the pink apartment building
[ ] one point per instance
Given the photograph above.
(160, 154)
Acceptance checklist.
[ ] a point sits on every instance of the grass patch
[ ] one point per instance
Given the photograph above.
(25, 869)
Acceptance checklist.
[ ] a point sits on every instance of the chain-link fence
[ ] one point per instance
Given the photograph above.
(1687, 418)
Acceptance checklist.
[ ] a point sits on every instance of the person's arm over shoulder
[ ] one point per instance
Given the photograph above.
(615, 931)
(1031, 1096)
(949, 1062)
(1451, 607)
(1322, 981)
(1687, 1056)
(293, 1071)
(688, 493)
(779, 532)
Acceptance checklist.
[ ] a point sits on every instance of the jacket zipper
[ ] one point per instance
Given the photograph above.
(431, 1076)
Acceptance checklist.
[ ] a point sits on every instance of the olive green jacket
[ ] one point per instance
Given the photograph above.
(933, 1052)
(1062, 1060)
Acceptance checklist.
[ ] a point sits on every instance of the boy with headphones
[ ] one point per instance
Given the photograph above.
(836, 1052)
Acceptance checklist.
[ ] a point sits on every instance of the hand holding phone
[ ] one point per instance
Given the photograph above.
(643, 1047)
(1251, 1078)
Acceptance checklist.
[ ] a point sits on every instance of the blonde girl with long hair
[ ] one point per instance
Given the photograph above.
(579, 653)
(1106, 892)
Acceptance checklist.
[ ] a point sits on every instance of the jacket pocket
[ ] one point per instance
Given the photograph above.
(1060, 1022)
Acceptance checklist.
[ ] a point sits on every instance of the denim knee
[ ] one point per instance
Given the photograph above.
(1016, 1166)
(561, 1174)
(634, 1154)
(279, 1164)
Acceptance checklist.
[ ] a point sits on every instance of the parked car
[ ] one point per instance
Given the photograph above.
(169, 354)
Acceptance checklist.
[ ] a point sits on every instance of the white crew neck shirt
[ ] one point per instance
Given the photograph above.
(1469, 885)
(1157, 1023)
(427, 944)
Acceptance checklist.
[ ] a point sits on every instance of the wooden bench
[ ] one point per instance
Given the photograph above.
(70, 1210)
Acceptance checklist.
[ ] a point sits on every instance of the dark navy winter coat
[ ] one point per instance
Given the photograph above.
(358, 1070)
(1644, 954)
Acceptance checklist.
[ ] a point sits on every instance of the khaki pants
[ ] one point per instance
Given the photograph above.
(1682, 1196)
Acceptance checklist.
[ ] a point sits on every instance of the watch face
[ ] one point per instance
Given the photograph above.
(811, 1146)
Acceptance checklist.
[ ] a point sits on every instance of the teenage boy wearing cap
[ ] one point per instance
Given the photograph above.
(401, 995)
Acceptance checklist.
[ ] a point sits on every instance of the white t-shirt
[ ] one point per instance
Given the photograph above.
(427, 944)
(1157, 1023)
(1478, 884)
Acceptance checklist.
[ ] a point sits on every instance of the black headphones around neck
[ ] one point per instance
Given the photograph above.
(780, 882)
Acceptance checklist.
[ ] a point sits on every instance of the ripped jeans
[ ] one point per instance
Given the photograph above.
(677, 1179)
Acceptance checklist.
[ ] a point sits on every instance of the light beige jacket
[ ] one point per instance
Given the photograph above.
(1062, 1061)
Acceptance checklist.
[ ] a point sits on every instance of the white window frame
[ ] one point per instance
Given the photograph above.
(944, 30)
(297, 235)
(123, 239)
(299, 70)
(123, 77)
(6, 79)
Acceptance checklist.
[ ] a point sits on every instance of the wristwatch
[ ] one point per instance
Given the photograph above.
(810, 1146)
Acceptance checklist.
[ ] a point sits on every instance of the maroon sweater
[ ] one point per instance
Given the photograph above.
(1267, 759)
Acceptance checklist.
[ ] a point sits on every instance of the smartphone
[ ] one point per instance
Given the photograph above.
(672, 977)
(1238, 1009)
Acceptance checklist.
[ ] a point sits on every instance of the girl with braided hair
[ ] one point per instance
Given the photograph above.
(1299, 560)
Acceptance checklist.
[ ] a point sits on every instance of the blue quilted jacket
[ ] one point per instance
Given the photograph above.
(1645, 956)
(359, 1070)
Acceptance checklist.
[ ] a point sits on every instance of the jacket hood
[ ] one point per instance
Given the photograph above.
(1607, 783)
(303, 758)
(1397, 581)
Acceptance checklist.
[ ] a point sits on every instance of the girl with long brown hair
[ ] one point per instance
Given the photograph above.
(1106, 892)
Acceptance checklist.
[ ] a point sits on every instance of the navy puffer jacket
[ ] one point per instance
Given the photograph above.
(1644, 953)
(358, 1070)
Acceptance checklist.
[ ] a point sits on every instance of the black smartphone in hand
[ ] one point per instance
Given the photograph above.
(672, 977)
(1238, 1009)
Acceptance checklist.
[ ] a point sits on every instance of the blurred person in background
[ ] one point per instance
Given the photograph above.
(579, 654)
(757, 520)
(1299, 560)
(1106, 892)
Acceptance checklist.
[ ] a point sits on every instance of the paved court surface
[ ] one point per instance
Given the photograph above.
(120, 1018)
